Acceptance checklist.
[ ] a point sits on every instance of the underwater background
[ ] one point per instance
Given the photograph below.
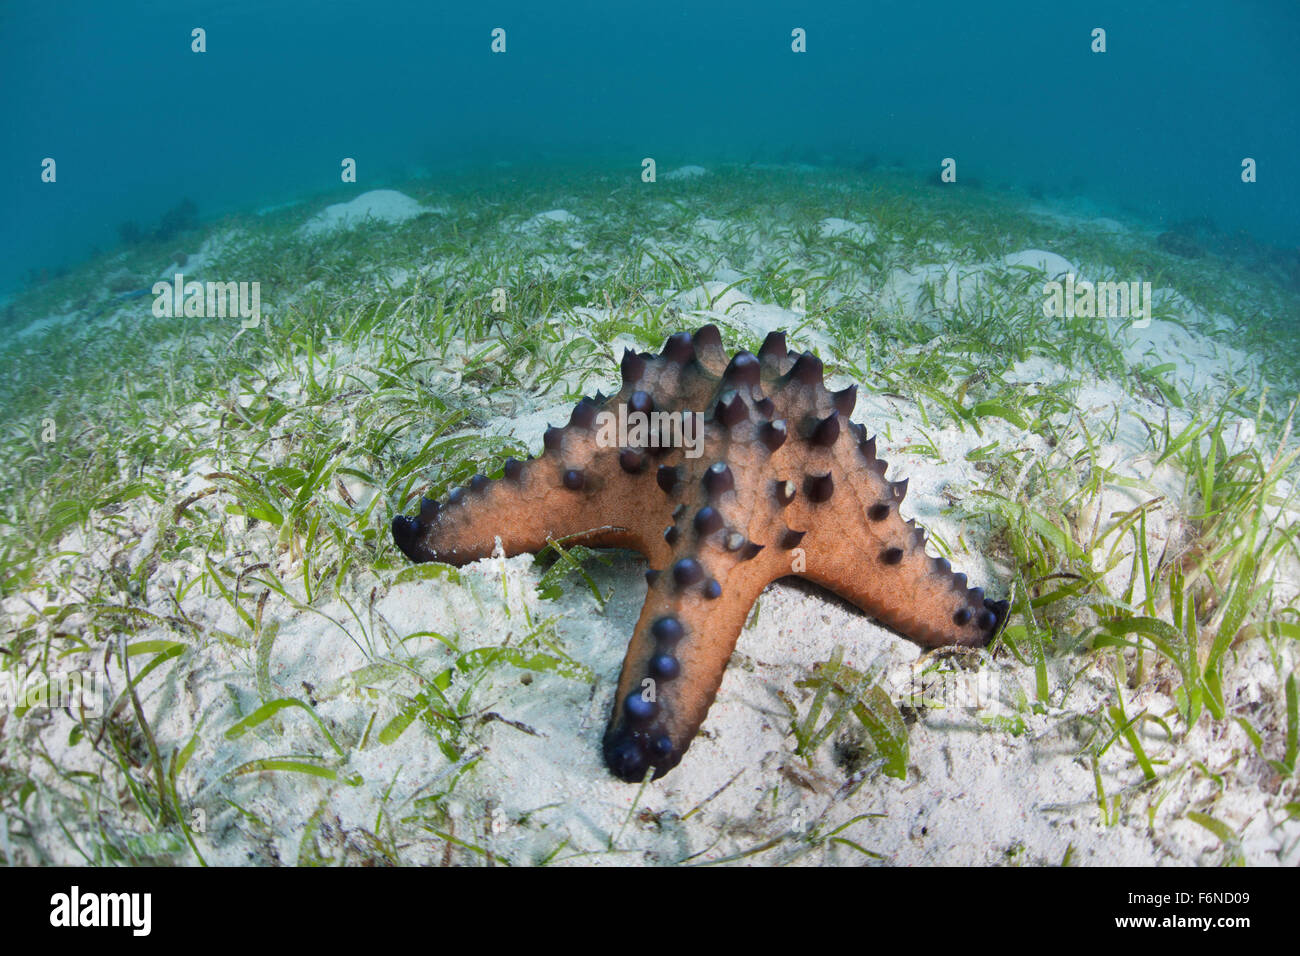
(1156, 126)
(421, 233)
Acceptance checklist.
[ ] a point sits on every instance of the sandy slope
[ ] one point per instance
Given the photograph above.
(989, 781)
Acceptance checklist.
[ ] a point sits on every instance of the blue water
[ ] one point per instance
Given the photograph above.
(1156, 126)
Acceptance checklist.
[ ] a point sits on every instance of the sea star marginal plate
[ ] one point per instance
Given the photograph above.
(777, 481)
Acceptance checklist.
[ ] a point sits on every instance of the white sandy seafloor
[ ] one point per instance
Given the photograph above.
(530, 785)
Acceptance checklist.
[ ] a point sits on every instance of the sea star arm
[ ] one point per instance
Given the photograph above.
(852, 538)
(907, 590)
(575, 491)
(693, 614)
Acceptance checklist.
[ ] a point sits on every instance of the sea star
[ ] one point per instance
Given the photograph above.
(786, 484)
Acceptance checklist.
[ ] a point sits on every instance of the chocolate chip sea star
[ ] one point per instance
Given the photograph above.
(780, 482)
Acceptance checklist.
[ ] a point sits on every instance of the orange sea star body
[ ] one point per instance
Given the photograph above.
(782, 483)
